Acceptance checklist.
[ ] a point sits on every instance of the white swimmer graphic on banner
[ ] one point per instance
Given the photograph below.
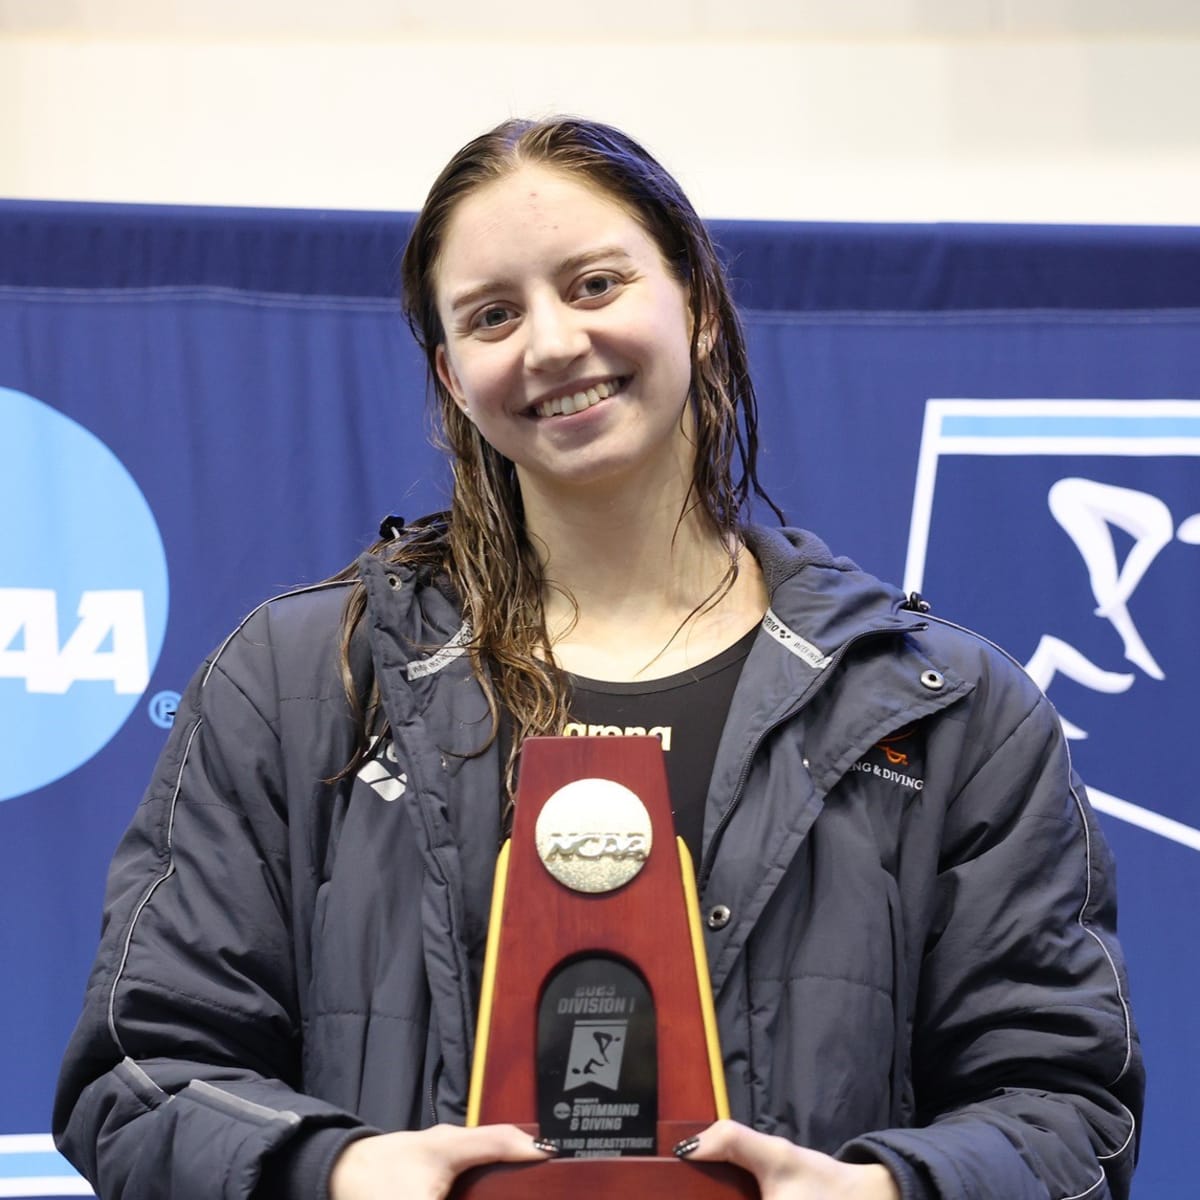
(1131, 523)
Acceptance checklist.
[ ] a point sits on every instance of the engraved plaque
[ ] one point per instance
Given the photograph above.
(597, 1067)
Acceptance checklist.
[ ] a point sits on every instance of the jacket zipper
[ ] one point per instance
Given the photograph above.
(727, 816)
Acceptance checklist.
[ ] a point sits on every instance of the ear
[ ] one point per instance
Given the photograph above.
(706, 339)
(449, 379)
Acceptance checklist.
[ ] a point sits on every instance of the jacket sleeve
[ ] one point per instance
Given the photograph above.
(1027, 1074)
(181, 1077)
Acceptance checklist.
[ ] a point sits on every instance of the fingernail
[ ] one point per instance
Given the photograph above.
(684, 1148)
(546, 1145)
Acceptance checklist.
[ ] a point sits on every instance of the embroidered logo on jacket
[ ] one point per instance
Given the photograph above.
(892, 747)
(379, 772)
(891, 759)
(889, 775)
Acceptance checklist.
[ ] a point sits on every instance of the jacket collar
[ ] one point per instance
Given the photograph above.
(827, 600)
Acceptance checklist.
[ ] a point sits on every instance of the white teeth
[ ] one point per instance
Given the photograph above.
(564, 406)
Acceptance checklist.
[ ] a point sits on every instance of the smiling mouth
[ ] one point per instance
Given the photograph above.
(565, 406)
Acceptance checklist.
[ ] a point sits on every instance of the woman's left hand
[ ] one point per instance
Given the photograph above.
(785, 1171)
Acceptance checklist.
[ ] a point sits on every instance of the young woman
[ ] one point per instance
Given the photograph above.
(917, 984)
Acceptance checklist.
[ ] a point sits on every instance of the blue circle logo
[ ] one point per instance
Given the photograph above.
(83, 594)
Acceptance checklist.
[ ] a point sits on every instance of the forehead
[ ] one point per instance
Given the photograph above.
(526, 218)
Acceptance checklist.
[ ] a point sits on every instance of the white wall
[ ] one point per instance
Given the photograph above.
(1006, 110)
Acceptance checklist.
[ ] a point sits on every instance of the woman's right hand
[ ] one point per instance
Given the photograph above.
(424, 1165)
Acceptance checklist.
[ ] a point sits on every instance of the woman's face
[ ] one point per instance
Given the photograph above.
(567, 339)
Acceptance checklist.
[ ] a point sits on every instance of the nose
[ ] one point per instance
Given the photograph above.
(555, 335)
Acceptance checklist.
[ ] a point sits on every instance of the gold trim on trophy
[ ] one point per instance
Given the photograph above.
(707, 1010)
(487, 992)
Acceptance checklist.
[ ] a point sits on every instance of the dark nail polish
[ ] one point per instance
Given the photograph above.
(684, 1148)
(546, 1145)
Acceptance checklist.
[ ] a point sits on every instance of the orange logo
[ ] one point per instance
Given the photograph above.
(898, 758)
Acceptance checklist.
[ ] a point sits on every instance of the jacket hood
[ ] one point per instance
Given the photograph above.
(825, 598)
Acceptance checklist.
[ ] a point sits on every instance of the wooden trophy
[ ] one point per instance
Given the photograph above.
(596, 1021)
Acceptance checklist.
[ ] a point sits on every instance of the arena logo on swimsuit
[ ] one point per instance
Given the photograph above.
(83, 594)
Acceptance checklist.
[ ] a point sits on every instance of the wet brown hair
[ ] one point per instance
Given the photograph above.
(481, 546)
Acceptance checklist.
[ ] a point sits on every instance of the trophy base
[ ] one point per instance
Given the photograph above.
(607, 1179)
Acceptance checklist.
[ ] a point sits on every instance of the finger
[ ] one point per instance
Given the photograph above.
(472, 1146)
(729, 1141)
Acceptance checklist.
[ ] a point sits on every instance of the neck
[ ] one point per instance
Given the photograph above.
(626, 574)
(630, 553)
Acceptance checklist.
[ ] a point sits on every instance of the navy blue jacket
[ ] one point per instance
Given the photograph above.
(919, 965)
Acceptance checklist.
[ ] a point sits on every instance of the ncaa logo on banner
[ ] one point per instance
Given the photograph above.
(1069, 532)
(83, 594)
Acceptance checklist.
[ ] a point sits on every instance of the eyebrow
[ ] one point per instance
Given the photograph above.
(572, 263)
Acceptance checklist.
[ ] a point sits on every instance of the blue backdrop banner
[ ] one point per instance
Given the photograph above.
(202, 407)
